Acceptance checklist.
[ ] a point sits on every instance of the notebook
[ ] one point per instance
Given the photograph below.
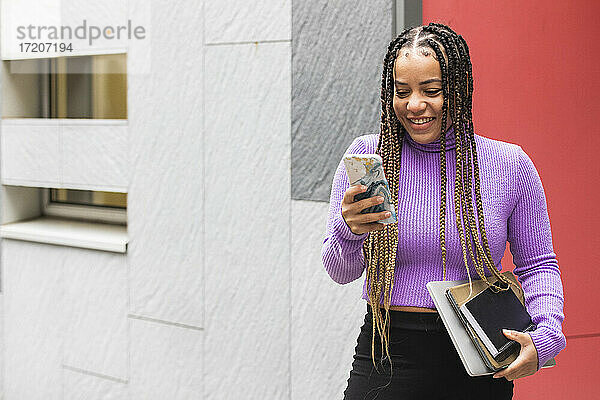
(488, 313)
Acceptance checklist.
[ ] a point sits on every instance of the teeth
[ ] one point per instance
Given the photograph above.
(421, 120)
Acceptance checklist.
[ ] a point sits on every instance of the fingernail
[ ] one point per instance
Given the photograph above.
(506, 331)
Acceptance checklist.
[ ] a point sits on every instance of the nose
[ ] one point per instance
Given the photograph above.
(415, 104)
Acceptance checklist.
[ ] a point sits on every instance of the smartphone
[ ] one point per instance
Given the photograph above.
(367, 169)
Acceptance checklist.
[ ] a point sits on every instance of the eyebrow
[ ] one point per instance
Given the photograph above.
(422, 83)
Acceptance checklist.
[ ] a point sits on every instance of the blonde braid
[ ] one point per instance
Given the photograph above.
(380, 270)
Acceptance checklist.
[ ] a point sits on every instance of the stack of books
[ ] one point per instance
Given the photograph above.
(485, 313)
(475, 314)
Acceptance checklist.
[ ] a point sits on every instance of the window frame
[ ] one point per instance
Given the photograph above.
(106, 214)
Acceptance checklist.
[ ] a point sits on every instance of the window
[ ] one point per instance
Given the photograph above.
(66, 87)
(109, 207)
(53, 109)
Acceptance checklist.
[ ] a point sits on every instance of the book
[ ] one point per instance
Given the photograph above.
(488, 313)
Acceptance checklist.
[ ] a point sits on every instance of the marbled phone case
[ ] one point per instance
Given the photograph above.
(367, 169)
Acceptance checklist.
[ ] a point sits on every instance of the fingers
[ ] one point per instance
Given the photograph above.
(520, 337)
(371, 217)
(351, 192)
(366, 203)
(519, 368)
(509, 371)
(362, 223)
(349, 203)
(526, 363)
(512, 371)
(351, 211)
(358, 206)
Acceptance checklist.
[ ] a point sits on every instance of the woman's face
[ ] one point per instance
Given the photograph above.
(418, 96)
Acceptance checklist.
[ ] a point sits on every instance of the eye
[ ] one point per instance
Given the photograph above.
(401, 94)
(433, 92)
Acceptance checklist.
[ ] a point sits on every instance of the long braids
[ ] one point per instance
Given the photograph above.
(379, 248)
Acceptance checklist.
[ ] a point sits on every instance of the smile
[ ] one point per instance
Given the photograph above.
(421, 121)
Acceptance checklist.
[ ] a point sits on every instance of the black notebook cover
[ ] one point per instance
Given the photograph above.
(494, 312)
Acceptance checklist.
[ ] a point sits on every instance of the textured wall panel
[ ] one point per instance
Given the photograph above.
(31, 153)
(247, 137)
(338, 50)
(80, 386)
(23, 13)
(165, 149)
(95, 155)
(166, 362)
(107, 13)
(326, 316)
(96, 300)
(247, 21)
(33, 320)
(70, 13)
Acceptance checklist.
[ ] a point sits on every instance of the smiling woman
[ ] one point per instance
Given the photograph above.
(447, 229)
(418, 97)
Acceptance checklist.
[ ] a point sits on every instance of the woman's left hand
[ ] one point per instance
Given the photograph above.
(526, 363)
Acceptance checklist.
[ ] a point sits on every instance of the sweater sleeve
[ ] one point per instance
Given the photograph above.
(342, 249)
(535, 262)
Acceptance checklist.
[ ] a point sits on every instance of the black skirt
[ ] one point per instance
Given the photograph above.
(425, 364)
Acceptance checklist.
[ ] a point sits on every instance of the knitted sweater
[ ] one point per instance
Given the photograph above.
(515, 210)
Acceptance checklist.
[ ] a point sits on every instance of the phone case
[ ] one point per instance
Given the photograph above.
(367, 169)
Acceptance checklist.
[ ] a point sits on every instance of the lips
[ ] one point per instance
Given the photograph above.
(426, 123)
(421, 120)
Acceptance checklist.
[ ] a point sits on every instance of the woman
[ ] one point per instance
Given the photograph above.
(446, 228)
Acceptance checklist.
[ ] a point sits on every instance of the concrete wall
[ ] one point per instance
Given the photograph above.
(221, 294)
(338, 50)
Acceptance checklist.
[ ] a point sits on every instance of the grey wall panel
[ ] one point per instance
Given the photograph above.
(337, 55)
(413, 13)
(408, 13)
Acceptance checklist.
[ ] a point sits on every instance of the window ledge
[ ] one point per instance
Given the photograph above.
(8, 121)
(66, 232)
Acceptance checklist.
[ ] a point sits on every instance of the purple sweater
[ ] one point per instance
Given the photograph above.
(514, 210)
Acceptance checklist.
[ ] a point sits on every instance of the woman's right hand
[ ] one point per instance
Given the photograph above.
(357, 222)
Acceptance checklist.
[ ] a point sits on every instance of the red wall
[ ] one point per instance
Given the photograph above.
(536, 69)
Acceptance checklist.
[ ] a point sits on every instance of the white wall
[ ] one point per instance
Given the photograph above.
(221, 294)
(56, 13)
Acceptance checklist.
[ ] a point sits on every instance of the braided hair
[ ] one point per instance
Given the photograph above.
(379, 248)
